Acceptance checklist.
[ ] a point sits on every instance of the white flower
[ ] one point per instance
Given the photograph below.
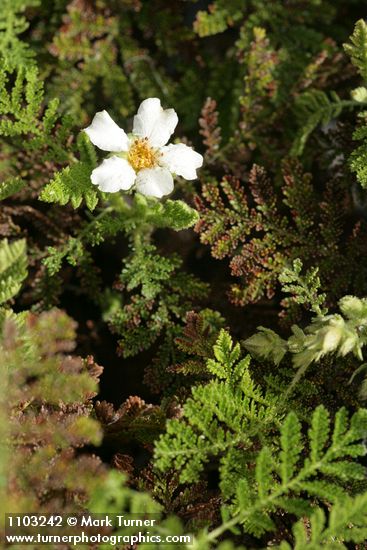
(142, 158)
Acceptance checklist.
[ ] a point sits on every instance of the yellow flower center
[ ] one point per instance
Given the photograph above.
(142, 155)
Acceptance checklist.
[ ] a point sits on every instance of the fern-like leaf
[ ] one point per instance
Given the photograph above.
(312, 109)
(291, 443)
(10, 187)
(347, 522)
(357, 48)
(304, 287)
(15, 52)
(20, 104)
(73, 183)
(226, 414)
(13, 268)
(319, 433)
(175, 214)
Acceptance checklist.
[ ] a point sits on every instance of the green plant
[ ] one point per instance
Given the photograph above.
(346, 523)
(226, 420)
(15, 52)
(227, 413)
(13, 268)
(333, 333)
(239, 452)
(46, 408)
(160, 296)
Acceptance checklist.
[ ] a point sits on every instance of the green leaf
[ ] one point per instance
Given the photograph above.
(218, 420)
(20, 102)
(11, 187)
(357, 48)
(313, 108)
(175, 214)
(340, 425)
(319, 432)
(73, 183)
(13, 268)
(222, 348)
(304, 287)
(266, 344)
(291, 443)
(347, 522)
(358, 158)
(263, 472)
(14, 51)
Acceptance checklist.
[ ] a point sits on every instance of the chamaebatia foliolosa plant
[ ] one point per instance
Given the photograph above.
(183, 284)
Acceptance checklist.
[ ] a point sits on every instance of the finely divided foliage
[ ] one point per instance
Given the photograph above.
(72, 184)
(13, 268)
(225, 421)
(347, 522)
(227, 414)
(248, 143)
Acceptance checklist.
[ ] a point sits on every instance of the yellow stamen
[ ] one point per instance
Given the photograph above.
(141, 155)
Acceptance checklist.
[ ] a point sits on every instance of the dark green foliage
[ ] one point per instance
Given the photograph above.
(117, 217)
(73, 183)
(347, 522)
(358, 157)
(260, 452)
(13, 23)
(159, 297)
(228, 413)
(226, 420)
(313, 109)
(20, 105)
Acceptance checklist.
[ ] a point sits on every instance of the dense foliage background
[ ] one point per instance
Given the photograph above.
(229, 319)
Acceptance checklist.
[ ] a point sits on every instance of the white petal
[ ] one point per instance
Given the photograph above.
(154, 182)
(181, 160)
(113, 174)
(105, 134)
(154, 123)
